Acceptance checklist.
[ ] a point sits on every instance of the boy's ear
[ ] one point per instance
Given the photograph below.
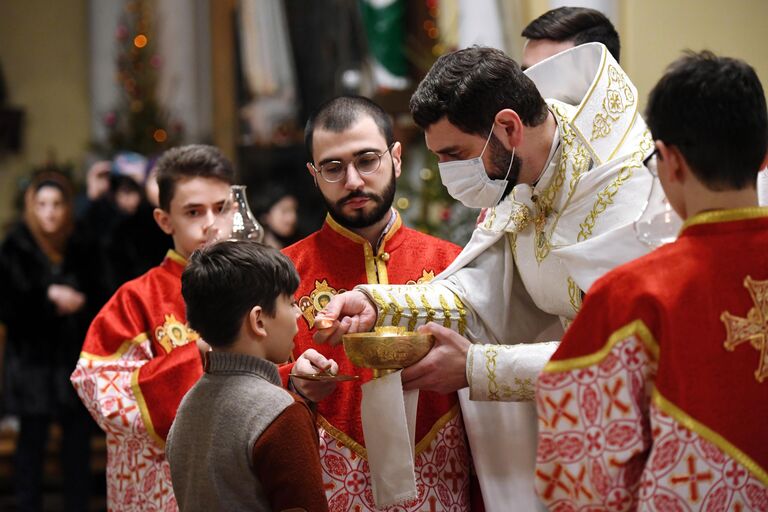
(256, 323)
(163, 220)
(675, 165)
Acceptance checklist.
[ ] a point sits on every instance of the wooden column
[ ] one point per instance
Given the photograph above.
(223, 76)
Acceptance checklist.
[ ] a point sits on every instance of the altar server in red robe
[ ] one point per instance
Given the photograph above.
(140, 357)
(657, 398)
(355, 162)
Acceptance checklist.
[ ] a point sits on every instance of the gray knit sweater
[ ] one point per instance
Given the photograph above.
(211, 444)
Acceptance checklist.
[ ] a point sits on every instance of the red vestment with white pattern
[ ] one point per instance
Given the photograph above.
(657, 398)
(333, 260)
(136, 365)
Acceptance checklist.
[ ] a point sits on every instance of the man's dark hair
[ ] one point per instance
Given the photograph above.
(224, 281)
(193, 161)
(576, 24)
(713, 110)
(338, 114)
(471, 86)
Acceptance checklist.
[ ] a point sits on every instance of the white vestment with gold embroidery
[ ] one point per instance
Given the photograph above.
(530, 259)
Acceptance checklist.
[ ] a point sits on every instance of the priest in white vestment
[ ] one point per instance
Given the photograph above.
(564, 186)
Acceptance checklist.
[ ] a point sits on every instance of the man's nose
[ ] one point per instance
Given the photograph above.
(353, 180)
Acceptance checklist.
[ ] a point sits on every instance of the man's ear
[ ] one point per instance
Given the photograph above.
(673, 162)
(256, 322)
(163, 220)
(508, 128)
(312, 172)
(397, 155)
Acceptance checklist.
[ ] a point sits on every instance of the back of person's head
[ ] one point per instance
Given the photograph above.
(192, 161)
(339, 114)
(470, 86)
(713, 110)
(224, 281)
(578, 25)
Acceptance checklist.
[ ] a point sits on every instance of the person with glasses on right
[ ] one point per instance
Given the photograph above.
(355, 161)
(657, 397)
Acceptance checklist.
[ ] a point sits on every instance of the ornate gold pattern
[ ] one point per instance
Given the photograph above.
(414, 312)
(725, 216)
(605, 196)
(524, 390)
(426, 276)
(520, 216)
(462, 314)
(753, 328)
(360, 450)
(491, 351)
(428, 307)
(446, 312)
(710, 435)
(382, 305)
(397, 311)
(491, 217)
(618, 98)
(512, 240)
(144, 410)
(635, 328)
(576, 156)
(174, 334)
(574, 293)
(316, 300)
(122, 349)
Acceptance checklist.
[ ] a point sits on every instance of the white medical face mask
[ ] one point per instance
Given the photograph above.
(467, 181)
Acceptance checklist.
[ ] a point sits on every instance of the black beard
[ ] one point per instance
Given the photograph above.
(360, 219)
(500, 159)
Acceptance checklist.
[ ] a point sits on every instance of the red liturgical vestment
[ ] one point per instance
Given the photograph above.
(136, 365)
(657, 398)
(334, 260)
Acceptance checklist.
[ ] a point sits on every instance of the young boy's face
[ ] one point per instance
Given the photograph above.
(195, 204)
(281, 329)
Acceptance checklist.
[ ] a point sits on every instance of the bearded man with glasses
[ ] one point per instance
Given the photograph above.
(355, 162)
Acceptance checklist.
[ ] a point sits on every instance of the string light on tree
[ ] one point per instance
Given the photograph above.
(138, 122)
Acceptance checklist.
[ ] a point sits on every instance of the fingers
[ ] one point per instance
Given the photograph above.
(312, 361)
(333, 335)
(414, 373)
(332, 310)
(436, 330)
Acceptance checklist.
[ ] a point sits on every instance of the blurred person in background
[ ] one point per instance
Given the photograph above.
(276, 210)
(135, 243)
(49, 292)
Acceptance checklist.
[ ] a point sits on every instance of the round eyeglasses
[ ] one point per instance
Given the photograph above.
(365, 164)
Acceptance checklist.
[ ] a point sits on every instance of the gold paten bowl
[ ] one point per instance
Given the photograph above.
(387, 349)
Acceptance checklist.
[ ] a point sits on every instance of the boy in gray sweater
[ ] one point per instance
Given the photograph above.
(240, 441)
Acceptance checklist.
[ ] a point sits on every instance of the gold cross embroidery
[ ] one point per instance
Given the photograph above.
(753, 328)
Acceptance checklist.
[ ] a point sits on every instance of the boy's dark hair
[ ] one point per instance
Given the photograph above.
(577, 24)
(192, 161)
(713, 110)
(224, 281)
(471, 86)
(338, 114)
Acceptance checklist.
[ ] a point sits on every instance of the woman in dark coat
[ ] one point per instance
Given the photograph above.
(49, 292)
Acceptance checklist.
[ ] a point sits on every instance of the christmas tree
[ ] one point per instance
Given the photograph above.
(138, 123)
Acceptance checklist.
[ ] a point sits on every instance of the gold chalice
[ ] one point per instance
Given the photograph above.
(386, 349)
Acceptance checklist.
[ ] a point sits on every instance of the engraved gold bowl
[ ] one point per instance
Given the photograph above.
(386, 349)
